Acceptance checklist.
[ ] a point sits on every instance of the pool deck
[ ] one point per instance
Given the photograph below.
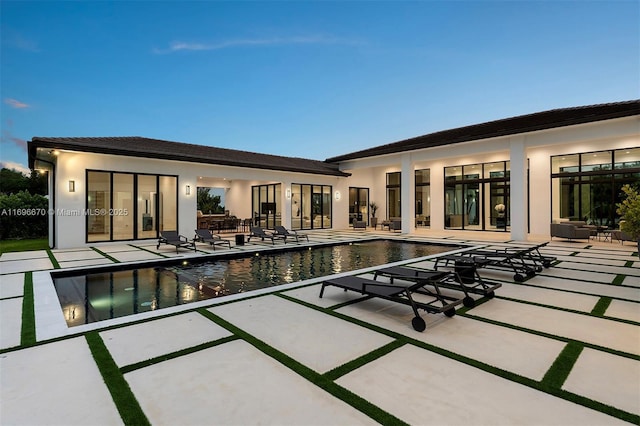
(562, 348)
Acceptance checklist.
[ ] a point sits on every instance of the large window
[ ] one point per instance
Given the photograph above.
(266, 205)
(423, 197)
(393, 195)
(127, 206)
(311, 206)
(587, 186)
(477, 196)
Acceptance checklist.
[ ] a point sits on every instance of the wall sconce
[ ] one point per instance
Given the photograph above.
(337, 195)
(287, 193)
(188, 190)
(72, 186)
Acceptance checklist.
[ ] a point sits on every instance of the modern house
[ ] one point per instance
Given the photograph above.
(515, 175)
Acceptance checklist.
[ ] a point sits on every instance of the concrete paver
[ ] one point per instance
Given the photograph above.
(598, 331)
(140, 342)
(10, 322)
(234, 384)
(57, 383)
(607, 378)
(421, 387)
(318, 340)
(12, 285)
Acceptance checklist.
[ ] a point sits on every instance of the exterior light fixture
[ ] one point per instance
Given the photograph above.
(287, 193)
(188, 190)
(72, 186)
(337, 195)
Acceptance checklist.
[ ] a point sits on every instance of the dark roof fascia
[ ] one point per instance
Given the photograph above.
(58, 143)
(500, 128)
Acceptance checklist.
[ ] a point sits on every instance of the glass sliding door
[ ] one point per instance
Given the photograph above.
(311, 206)
(358, 204)
(266, 205)
(168, 214)
(130, 205)
(98, 202)
(123, 206)
(147, 186)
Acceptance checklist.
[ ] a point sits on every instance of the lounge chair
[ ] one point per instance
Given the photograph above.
(532, 255)
(443, 279)
(400, 294)
(205, 236)
(174, 239)
(258, 232)
(281, 230)
(466, 263)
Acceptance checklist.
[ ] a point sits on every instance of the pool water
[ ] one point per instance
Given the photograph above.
(99, 296)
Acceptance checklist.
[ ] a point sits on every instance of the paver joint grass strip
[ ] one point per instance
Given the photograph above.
(131, 367)
(350, 366)
(371, 410)
(53, 259)
(149, 251)
(28, 330)
(113, 259)
(601, 306)
(618, 279)
(123, 397)
(561, 367)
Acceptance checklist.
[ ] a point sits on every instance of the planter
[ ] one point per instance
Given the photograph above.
(374, 222)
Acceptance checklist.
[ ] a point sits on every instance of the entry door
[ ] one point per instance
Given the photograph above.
(358, 204)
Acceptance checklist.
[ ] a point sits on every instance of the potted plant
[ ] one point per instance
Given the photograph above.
(374, 207)
(629, 209)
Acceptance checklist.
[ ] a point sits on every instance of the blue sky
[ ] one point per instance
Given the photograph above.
(301, 78)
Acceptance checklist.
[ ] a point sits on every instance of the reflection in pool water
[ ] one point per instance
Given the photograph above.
(99, 296)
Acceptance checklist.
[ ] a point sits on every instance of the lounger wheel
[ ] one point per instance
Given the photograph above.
(518, 277)
(418, 324)
(490, 295)
(547, 264)
(450, 312)
(469, 302)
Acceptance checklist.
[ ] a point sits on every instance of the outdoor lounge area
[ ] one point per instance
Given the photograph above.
(559, 348)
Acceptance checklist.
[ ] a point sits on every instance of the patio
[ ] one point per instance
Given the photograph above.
(561, 348)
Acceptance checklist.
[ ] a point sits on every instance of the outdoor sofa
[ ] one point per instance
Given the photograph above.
(574, 230)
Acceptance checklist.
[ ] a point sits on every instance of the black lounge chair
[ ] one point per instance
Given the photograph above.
(465, 261)
(281, 230)
(258, 232)
(205, 236)
(400, 294)
(531, 255)
(173, 239)
(443, 280)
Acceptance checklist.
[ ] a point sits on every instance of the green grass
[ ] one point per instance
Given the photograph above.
(601, 306)
(7, 246)
(123, 397)
(28, 331)
(53, 259)
(561, 367)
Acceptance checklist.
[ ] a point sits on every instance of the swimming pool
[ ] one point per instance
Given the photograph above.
(115, 292)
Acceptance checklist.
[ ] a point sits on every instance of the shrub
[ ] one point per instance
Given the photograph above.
(23, 215)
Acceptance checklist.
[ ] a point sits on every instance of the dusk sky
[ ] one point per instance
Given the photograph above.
(311, 79)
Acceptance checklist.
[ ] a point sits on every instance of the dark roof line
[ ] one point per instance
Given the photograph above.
(509, 126)
(136, 146)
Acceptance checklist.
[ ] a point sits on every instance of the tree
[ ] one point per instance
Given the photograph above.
(208, 203)
(12, 182)
(629, 209)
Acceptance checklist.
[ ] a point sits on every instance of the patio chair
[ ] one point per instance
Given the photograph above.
(205, 236)
(172, 238)
(466, 263)
(400, 294)
(281, 230)
(258, 232)
(443, 279)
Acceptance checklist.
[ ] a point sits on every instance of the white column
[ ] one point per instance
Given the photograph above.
(518, 189)
(407, 194)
